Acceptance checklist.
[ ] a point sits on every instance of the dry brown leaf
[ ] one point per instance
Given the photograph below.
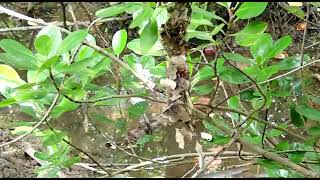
(199, 151)
(214, 164)
(317, 76)
(179, 138)
(215, 149)
(301, 26)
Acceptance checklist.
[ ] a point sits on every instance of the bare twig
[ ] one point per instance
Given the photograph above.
(43, 119)
(73, 17)
(304, 37)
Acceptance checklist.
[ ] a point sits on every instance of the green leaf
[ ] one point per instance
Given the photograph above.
(42, 156)
(270, 164)
(296, 157)
(294, 10)
(156, 50)
(53, 138)
(43, 44)
(148, 62)
(141, 17)
(203, 89)
(119, 41)
(136, 110)
(9, 78)
(282, 146)
(314, 131)
(54, 33)
(17, 55)
(204, 73)
(112, 10)
(101, 118)
(261, 47)
(149, 37)
(280, 45)
(48, 63)
(71, 161)
(291, 62)
(308, 112)
(295, 117)
(250, 33)
(220, 140)
(145, 139)
(203, 35)
(250, 9)
(237, 58)
(64, 106)
(7, 102)
(233, 76)
(72, 40)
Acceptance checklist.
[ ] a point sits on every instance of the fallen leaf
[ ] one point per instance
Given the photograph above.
(179, 138)
(168, 83)
(199, 151)
(214, 164)
(301, 26)
(215, 149)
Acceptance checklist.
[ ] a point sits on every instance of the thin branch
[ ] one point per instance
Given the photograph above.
(73, 17)
(234, 138)
(304, 37)
(269, 80)
(43, 119)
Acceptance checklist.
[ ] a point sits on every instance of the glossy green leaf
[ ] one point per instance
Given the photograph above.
(156, 50)
(308, 112)
(9, 78)
(148, 62)
(250, 9)
(282, 146)
(295, 10)
(296, 157)
(237, 58)
(203, 89)
(53, 138)
(233, 76)
(7, 102)
(291, 62)
(250, 33)
(17, 55)
(112, 10)
(270, 164)
(43, 44)
(64, 106)
(55, 36)
(295, 117)
(204, 73)
(119, 41)
(280, 45)
(136, 110)
(49, 63)
(71, 161)
(101, 118)
(314, 131)
(73, 40)
(204, 35)
(261, 47)
(142, 17)
(149, 37)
